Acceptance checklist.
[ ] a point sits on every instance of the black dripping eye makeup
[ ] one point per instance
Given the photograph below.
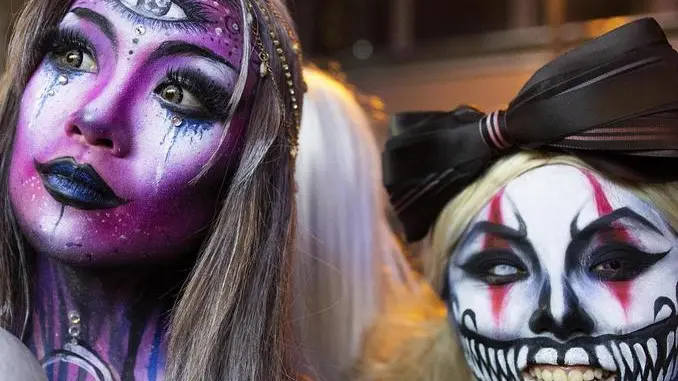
(185, 91)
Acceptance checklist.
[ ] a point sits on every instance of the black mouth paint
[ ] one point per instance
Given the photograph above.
(77, 185)
(649, 354)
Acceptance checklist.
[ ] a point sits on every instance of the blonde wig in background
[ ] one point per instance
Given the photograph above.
(414, 340)
(344, 238)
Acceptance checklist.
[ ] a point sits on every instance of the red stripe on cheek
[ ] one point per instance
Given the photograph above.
(621, 290)
(497, 293)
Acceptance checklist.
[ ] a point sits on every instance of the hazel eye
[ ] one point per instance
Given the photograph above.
(77, 59)
(178, 96)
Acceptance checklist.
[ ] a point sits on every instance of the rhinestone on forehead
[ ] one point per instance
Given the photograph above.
(156, 9)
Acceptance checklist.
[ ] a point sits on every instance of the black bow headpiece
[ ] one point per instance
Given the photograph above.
(612, 101)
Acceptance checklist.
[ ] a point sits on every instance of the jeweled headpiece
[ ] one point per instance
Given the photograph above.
(265, 68)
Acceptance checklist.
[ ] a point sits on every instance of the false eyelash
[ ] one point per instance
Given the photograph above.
(197, 17)
(212, 95)
(57, 40)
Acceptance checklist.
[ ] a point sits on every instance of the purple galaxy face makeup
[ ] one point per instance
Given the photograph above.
(127, 107)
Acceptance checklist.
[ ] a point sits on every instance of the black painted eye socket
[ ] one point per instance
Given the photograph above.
(496, 267)
(621, 262)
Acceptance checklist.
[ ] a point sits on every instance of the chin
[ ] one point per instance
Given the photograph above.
(100, 238)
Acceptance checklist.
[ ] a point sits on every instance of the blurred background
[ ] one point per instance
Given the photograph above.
(435, 54)
(402, 55)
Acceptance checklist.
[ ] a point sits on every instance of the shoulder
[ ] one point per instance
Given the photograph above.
(17, 363)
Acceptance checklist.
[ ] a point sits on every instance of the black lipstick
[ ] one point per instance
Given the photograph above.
(77, 185)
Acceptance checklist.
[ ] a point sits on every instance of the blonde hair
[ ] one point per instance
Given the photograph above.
(431, 341)
(344, 238)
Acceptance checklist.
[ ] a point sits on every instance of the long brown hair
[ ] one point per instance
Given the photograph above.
(230, 321)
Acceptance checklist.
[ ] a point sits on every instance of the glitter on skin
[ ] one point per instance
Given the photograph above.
(97, 103)
(117, 104)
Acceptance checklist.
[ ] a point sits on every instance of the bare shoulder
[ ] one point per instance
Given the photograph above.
(17, 363)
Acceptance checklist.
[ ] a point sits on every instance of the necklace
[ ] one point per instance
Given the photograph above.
(74, 352)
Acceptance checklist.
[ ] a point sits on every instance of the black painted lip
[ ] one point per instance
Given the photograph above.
(77, 185)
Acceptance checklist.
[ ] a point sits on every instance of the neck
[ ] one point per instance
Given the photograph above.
(113, 318)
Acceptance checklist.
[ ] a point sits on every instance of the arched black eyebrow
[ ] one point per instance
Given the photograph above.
(174, 48)
(606, 221)
(98, 20)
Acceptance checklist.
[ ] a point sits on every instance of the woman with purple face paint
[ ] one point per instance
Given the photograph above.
(552, 226)
(147, 179)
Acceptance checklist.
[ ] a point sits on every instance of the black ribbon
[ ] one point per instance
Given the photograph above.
(612, 101)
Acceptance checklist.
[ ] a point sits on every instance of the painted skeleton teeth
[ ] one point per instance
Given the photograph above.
(510, 358)
(576, 356)
(628, 356)
(618, 358)
(521, 362)
(652, 350)
(502, 361)
(651, 360)
(482, 353)
(546, 356)
(469, 323)
(640, 357)
(493, 360)
(605, 358)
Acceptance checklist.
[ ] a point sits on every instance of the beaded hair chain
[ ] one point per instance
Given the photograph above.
(265, 68)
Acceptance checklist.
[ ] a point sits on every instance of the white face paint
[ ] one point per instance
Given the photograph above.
(565, 275)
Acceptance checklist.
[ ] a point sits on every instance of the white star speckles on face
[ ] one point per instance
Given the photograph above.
(156, 9)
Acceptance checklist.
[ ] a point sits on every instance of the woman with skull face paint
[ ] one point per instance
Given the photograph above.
(553, 225)
(148, 210)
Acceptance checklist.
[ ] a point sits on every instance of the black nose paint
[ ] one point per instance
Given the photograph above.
(574, 320)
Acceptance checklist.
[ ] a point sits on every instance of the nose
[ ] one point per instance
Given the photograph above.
(99, 131)
(571, 320)
(103, 123)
